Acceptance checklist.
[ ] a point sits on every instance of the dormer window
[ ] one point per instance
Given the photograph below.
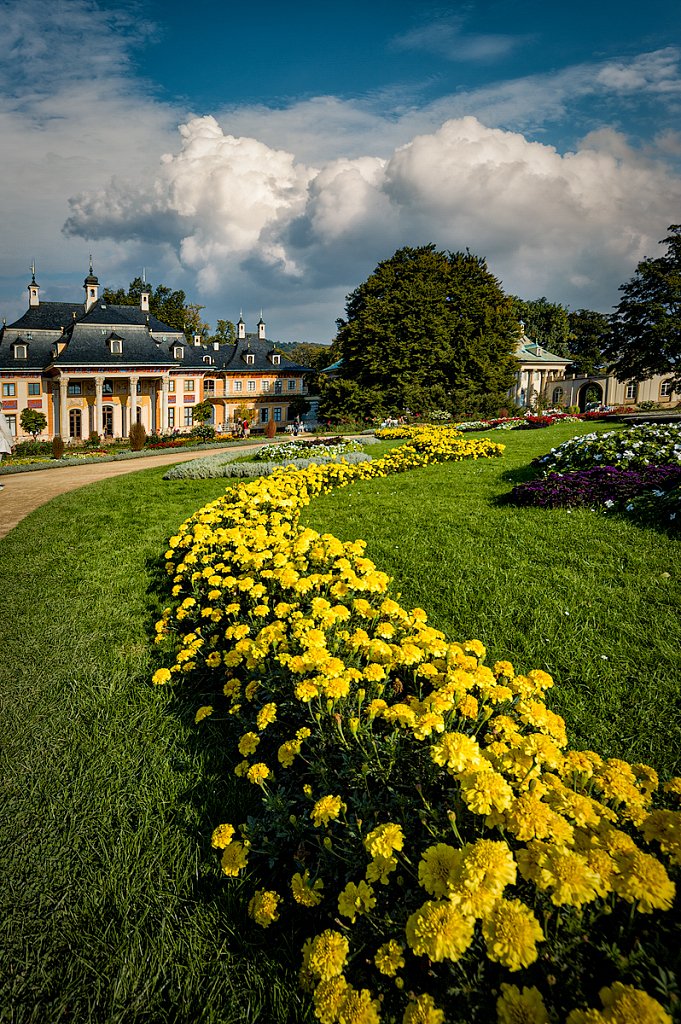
(116, 347)
(207, 359)
(276, 359)
(178, 352)
(250, 359)
(20, 351)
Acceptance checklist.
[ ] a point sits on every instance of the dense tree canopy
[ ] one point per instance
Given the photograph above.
(427, 330)
(545, 322)
(169, 306)
(646, 325)
(589, 333)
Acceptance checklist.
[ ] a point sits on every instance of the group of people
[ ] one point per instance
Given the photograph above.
(293, 428)
(243, 428)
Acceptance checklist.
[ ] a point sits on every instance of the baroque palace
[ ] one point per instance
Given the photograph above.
(91, 367)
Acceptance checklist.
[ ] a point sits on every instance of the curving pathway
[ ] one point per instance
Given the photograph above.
(21, 493)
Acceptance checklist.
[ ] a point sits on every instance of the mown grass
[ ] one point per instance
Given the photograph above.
(113, 908)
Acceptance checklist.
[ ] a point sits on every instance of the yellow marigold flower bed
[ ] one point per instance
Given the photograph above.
(423, 811)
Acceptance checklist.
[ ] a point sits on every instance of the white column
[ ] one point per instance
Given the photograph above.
(134, 378)
(99, 385)
(63, 412)
(165, 382)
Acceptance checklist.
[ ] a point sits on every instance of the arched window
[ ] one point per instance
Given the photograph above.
(557, 396)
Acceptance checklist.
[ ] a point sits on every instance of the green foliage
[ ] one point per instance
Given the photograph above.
(202, 411)
(346, 400)
(306, 353)
(167, 305)
(546, 323)
(589, 333)
(426, 330)
(646, 325)
(57, 447)
(138, 436)
(225, 333)
(33, 421)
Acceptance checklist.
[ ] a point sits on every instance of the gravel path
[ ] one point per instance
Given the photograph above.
(20, 493)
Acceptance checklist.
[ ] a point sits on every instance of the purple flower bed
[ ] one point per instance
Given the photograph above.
(599, 486)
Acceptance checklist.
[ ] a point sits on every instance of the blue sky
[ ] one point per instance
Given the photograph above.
(270, 155)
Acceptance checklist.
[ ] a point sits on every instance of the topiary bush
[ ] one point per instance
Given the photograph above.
(57, 447)
(138, 437)
(270, 429)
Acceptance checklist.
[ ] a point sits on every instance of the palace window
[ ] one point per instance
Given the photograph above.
(74, 389)
(209, 385)
(557, 396)
(238, 385)
(34, 389)
(250, 359)
(277, 414)
(20, 351)
(251, 385)
(12, 424)
(278, 387)
(265, 385)
(292, 385)
(189, 385)
(666, 389)
(9, 390)
(178, 352)
(264, 415)
(74, 423)
(107, 387)
(116, 347)
(207, 359)
(171, 385)
(171, 417)
(189, 416)
(631, 392)
(276, 359)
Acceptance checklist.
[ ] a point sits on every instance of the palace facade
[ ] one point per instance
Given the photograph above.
(91, 367)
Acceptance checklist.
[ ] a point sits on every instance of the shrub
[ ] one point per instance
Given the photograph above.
(33, 448)
(93, 441)
(138, 436)
(270, 429)
(57, 447)
(202, 431)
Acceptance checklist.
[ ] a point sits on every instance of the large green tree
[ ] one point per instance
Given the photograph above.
(646, 325)
(430, 329)
(32, 421)
(167, 305)
(546, 323)
(589, 334)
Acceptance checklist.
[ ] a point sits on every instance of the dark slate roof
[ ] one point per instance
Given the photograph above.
(89, 346)
(48, 316)
(120, 316)
(39, 352)
(231, 358)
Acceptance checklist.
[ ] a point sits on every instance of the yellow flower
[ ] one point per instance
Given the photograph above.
(460, 753)
(327, 954)
(328, 996)
(439, 931)
(511, 933)
(202, 713)
(569, 878)
(326, 809)
(356, 899)
(487, 867)
(389, 959)
(379, 869)
(423, 1011)
(287, 752)
(266, 715)
(234, 858)
(222, 837)
(305, 893)
(248, 743)
(485, 791)
(439, 869)
(257, 773)
(516, 1007)
(384, 840)
(664, 827)
(161, 676)
(263, 907)
(623, 1004)
(358, 1007)
(643, 880)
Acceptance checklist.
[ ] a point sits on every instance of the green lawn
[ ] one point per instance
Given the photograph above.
(113, 908)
